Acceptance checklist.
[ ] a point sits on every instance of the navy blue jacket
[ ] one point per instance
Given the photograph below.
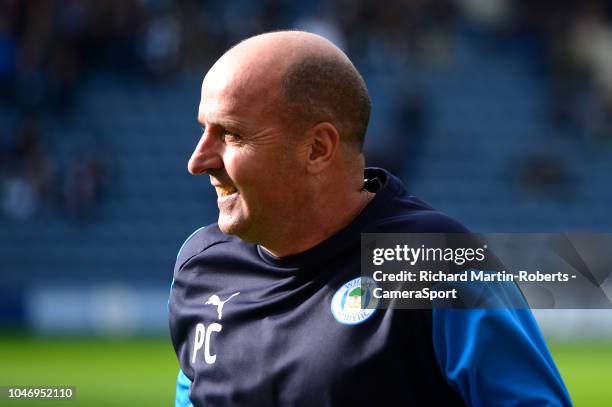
(251, 329)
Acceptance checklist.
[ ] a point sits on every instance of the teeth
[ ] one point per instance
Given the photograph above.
(225, 191)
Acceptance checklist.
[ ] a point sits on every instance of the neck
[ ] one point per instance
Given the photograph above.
(321, 219)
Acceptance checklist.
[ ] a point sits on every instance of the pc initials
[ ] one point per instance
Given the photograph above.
(202, 338)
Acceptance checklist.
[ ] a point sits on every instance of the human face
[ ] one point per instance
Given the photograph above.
(252, 164)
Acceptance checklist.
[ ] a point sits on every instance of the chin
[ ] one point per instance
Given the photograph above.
(231, 226)
(242, 230)
(228, 228)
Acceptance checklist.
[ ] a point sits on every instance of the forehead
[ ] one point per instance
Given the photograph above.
(238, 89)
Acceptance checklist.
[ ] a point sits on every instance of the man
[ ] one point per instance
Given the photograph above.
(259, 307)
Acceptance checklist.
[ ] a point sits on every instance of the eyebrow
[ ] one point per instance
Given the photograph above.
(230, 125)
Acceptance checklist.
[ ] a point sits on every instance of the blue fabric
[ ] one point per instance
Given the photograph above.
(183, 384)
(187, 240)
(177, 256)
(497, 357)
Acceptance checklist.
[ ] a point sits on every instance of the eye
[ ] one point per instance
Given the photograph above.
(231, 136)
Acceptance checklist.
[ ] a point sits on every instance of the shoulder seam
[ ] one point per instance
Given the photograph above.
(187, 240)
(199, 252)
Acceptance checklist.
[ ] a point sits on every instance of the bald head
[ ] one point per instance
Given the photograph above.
(283, 117)
(309, 79)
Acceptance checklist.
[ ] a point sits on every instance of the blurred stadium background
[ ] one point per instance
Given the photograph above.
(498, 112)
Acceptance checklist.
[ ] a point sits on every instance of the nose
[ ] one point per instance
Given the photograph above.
(207, 155)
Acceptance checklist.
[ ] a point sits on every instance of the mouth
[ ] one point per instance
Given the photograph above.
(223, 191)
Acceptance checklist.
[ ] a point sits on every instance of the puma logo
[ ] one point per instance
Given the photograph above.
(215, 300)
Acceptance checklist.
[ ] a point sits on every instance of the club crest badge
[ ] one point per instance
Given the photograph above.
(354, 302)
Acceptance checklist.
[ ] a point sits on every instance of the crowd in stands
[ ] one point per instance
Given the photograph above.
(49, 47)
(36, 182)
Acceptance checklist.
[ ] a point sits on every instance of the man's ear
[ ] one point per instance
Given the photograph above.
(324, 142)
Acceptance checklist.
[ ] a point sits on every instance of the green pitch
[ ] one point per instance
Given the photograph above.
(586, 369)
(143, 371)
(139, 372)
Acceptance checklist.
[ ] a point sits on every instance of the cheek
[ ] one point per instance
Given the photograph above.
(264, 178)
(264, 192)
(247, 173)
(239, 166)
(249, 166)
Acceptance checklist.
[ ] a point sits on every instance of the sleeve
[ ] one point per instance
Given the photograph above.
(183, 384)
(180, 259)
(497, 357)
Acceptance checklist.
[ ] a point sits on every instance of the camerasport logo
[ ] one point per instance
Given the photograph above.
(354, 302)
